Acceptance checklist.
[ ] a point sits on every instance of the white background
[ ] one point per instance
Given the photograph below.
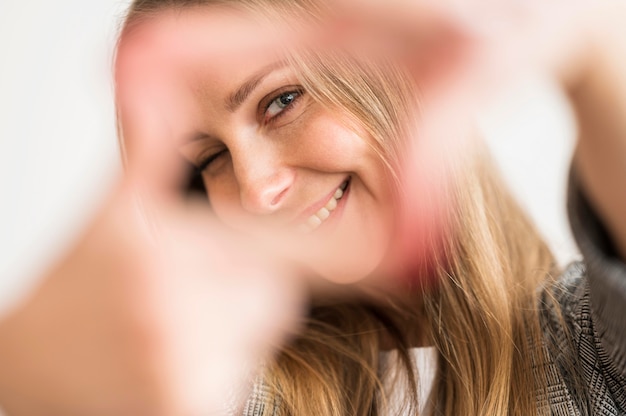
(58, 151)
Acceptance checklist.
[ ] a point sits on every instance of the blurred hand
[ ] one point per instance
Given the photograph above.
(155, 311)
(462, 55)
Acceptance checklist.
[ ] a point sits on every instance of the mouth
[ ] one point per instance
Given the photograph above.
(323, 214)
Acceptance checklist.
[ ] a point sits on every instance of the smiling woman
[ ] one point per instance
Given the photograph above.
(345, 168)
(270, 154)
(316, 142)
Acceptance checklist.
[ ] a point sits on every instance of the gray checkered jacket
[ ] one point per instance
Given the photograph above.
(592, 299)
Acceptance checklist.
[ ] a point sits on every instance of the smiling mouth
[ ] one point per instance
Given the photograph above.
(317, 219)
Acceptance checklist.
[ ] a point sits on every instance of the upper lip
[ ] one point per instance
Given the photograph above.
(307, 213)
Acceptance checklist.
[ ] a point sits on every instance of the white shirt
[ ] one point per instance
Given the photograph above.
(425, 362)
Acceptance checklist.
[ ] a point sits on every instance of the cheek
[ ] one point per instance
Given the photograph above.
(363, 240)
(360, 242)
(324, 143)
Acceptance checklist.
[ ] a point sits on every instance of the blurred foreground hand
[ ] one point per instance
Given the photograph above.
(155, 311)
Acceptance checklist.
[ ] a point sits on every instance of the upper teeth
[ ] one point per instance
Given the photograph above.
(318, 218)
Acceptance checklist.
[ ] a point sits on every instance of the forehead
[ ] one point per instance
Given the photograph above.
(193, 45)
(177, 69)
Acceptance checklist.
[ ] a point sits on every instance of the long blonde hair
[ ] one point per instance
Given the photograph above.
(481, 315)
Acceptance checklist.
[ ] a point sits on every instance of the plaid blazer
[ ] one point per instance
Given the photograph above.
(591, 298)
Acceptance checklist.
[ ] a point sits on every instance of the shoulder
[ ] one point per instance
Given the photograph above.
(584, 374)
(568, 297)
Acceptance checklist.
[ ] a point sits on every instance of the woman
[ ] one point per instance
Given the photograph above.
(284, 147)
(314, 143)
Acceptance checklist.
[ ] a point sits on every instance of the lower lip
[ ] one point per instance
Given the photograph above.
(330, 222)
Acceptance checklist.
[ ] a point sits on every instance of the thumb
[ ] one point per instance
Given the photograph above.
(152, 162)
(153, 165)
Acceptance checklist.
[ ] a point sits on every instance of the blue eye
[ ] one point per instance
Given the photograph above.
(281, 102)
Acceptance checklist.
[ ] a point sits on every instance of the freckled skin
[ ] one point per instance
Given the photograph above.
(270, 170)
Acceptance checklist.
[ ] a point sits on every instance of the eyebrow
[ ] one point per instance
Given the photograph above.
(234, 100)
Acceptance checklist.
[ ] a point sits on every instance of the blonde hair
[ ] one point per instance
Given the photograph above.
(482, 314)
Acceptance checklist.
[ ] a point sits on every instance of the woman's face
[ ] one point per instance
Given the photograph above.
(272, 159)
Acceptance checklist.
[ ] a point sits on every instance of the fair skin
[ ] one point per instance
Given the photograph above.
(124, 326)
(268, 167)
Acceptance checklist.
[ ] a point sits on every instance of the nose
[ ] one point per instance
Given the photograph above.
(264, 182)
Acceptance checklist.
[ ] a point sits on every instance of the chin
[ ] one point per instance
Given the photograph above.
(345, 271)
